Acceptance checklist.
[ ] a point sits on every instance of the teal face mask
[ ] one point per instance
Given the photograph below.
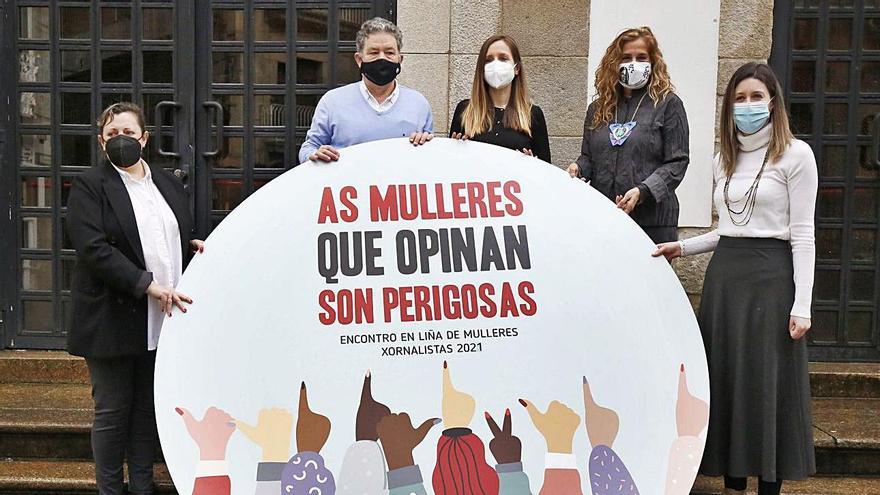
(751, 117)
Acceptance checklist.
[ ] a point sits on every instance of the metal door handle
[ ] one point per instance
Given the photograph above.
(159, 124)
(875, 148)
(218, 119)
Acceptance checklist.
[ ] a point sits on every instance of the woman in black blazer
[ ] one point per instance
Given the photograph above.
(131, 228)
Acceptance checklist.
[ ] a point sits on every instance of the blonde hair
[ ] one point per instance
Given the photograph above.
(608, 74)
(780, 136)
(479, 113)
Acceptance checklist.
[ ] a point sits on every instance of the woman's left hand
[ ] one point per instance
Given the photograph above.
(197, 245)
(629, 200)
(798, 327)
(526, 151)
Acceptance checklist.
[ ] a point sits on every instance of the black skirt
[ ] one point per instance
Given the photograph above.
(759, 418)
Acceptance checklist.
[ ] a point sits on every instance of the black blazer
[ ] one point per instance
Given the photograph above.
(109, 304)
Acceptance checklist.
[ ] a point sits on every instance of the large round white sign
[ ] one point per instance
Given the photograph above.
(455, 318)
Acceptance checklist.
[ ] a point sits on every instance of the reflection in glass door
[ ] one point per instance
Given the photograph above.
(828, 53)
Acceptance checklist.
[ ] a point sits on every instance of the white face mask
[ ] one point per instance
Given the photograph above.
(635, 75)
(498, 73)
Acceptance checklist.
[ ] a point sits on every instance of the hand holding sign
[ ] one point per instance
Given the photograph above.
(399, 438)
(557, 425)
(458, 407)
(272, 433)
(312, 429)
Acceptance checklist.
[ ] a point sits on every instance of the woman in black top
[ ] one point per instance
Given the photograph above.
(635, 148)
(499, 111)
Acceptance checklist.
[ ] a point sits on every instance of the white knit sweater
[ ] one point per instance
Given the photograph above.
(784, 209)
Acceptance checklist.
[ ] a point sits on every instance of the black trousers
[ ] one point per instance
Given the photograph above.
(764, 487)
(125, 422)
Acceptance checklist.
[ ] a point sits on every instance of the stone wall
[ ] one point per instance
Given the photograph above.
(442, 38)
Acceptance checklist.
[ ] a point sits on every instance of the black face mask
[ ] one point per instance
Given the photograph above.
(123, 151)
(380, 71)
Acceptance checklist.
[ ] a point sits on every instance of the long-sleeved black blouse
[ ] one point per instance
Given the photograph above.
(499, 135)
(654, 157)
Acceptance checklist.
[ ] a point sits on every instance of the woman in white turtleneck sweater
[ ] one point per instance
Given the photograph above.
(756, 299)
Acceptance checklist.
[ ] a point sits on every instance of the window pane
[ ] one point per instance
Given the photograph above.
(233, 109)
(75, 66)
(36, 151)
(76, 150)
(867, 112)
(36, 274)
(116, 66)
(871, 32)
(861, 285)
(804, 34)
(837, 77)
(158, 24)
(350, 21)
(802, 118)
(870, 77)
(867, 166)
(232, 154)
(270, 68)
(150, 102)
(311, 24)
(75, 23)
(158, 67)
(270, 24)
(66, 186)
(108, 99)
(269, 110)
(228, 25)
(37, 316)
(76, 108)
(269, 152)
(67, 267)
(33, 23)
(35, 108)
(840, 34)
(824, 327)
(830, 203)
(865, 204)
(834, 161)
(312, 68)
(347, 70)
(115, 23)
(36, 232)
(33, 66)
(803, 76)
(858, 327)
(835, 118)
(305, 109)
(36, 192)
(228, 67)
(828, 244)
(827, 285)
(226, 193)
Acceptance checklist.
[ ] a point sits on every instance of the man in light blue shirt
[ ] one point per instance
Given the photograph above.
(376, 107)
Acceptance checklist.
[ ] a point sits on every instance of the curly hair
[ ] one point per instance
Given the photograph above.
(608, 74)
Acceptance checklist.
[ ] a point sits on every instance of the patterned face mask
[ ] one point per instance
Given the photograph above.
(635, 75)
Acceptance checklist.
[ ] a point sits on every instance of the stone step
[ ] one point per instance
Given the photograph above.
(62, 477)
(847, 436)
(857, 380)
(42, 367)
(819, 485)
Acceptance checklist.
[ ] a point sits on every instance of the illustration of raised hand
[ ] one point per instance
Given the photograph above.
(399, 438)
(602, 423)
(457, 407)
(312, 429)
(557, 425)
(506, 447)
(363, 467)
(211, 433)
(608, 473)
(272, 433)
(691, 416)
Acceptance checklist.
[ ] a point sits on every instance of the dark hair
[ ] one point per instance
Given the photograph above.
(115, 109)
(781, 133)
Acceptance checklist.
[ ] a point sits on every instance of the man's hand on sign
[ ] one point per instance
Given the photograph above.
(399, 438)
(670, 250)
(211, 434)
(506, 447)
(420, 138)
(272, 433)
(558, 425)
(369, 413)
(312, 429)
(325, 153)
(573, 170)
